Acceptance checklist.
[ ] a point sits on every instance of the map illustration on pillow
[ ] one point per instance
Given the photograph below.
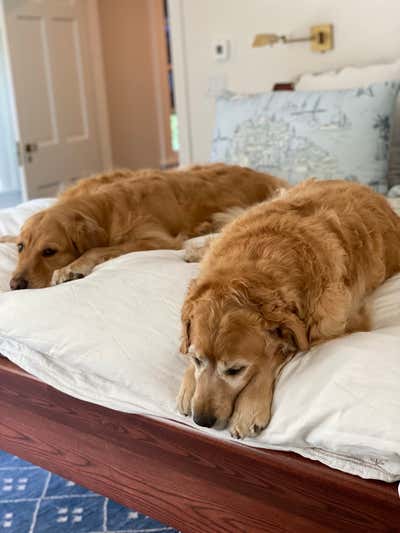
(296, 135)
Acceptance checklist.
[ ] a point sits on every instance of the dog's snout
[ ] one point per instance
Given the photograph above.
(18, 284)
(205, 420)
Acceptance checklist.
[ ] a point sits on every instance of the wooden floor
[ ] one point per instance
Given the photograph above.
(180, 476)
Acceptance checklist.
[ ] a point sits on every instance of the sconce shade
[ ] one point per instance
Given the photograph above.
(265, 39)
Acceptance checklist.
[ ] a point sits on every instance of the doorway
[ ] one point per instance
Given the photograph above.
(10, 186)
(174, 125)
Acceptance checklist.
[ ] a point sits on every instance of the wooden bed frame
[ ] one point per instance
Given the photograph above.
(182, 477)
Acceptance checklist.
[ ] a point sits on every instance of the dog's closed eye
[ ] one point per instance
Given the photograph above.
(48, 252)
(233, 371)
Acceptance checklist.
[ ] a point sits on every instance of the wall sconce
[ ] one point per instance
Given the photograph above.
(321, 38)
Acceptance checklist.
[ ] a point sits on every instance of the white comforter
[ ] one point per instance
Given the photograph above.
(112, 339)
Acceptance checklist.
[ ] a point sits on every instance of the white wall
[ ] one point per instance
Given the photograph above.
(129, 77)
(366, 31)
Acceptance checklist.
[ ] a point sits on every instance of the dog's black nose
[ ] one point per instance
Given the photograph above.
(18, 283)
(206, 421)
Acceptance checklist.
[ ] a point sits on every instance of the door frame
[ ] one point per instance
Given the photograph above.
(101, 108)
(180, 67)
(168, 158)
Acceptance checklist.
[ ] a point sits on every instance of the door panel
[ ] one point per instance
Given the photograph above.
(69, 80)
(32, 70)
(54, 92)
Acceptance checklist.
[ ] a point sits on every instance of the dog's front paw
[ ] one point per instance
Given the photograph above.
(195, 250)
(65, 274)
(186, 392)
(249, 423)
(193, 253)
(184, 400)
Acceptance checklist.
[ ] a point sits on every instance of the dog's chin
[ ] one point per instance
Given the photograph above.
(221, 423)
(38, 285)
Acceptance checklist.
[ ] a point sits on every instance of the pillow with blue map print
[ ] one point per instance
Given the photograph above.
(295, 135)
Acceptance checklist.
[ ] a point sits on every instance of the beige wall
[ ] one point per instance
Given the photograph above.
(366, 32)
(127, 50)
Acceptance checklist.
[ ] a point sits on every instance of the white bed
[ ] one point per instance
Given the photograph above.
(112, 339)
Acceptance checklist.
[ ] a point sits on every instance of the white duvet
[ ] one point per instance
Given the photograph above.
(113, 337)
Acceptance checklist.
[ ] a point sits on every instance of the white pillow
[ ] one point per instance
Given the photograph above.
(354, 77)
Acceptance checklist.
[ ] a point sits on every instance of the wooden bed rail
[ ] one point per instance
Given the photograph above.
(179, 476)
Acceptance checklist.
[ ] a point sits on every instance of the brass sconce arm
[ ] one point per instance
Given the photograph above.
(321, 38)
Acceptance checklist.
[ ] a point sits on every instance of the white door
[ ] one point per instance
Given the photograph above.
(54, 92)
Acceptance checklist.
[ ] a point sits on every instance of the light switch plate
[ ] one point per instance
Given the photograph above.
(221, 49)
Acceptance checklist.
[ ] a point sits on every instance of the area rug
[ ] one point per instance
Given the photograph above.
(33, 500)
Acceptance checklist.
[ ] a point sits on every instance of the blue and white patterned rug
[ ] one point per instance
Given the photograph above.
(33, 500)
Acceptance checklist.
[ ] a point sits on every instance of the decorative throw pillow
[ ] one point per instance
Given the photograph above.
(353, 78)
(295, 135)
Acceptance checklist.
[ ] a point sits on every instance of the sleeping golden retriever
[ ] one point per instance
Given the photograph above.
(113, 214)
(284, 276)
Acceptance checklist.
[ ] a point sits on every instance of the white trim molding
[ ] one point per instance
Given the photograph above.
(101, 106)
(168, 157)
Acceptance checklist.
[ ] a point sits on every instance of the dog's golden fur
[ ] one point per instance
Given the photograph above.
(284, 276)
(108, 215)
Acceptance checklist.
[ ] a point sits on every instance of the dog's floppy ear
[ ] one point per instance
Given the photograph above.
(185, 337)
(86, 233)
(283, 321)
(186, 317)
(291, 336)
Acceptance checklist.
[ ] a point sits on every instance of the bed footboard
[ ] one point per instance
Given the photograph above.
(180, 476)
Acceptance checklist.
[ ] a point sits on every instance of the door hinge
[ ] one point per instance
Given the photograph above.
(19, 153)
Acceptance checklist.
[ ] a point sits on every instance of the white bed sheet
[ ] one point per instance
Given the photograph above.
(112, 339)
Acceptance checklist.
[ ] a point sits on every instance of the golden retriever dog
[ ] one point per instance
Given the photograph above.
(284, 276)
(109, 215)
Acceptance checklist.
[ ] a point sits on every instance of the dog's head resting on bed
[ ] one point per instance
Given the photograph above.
(234, 331)
(50, 240)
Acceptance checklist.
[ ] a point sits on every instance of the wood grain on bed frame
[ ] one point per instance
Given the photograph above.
(179, 476)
